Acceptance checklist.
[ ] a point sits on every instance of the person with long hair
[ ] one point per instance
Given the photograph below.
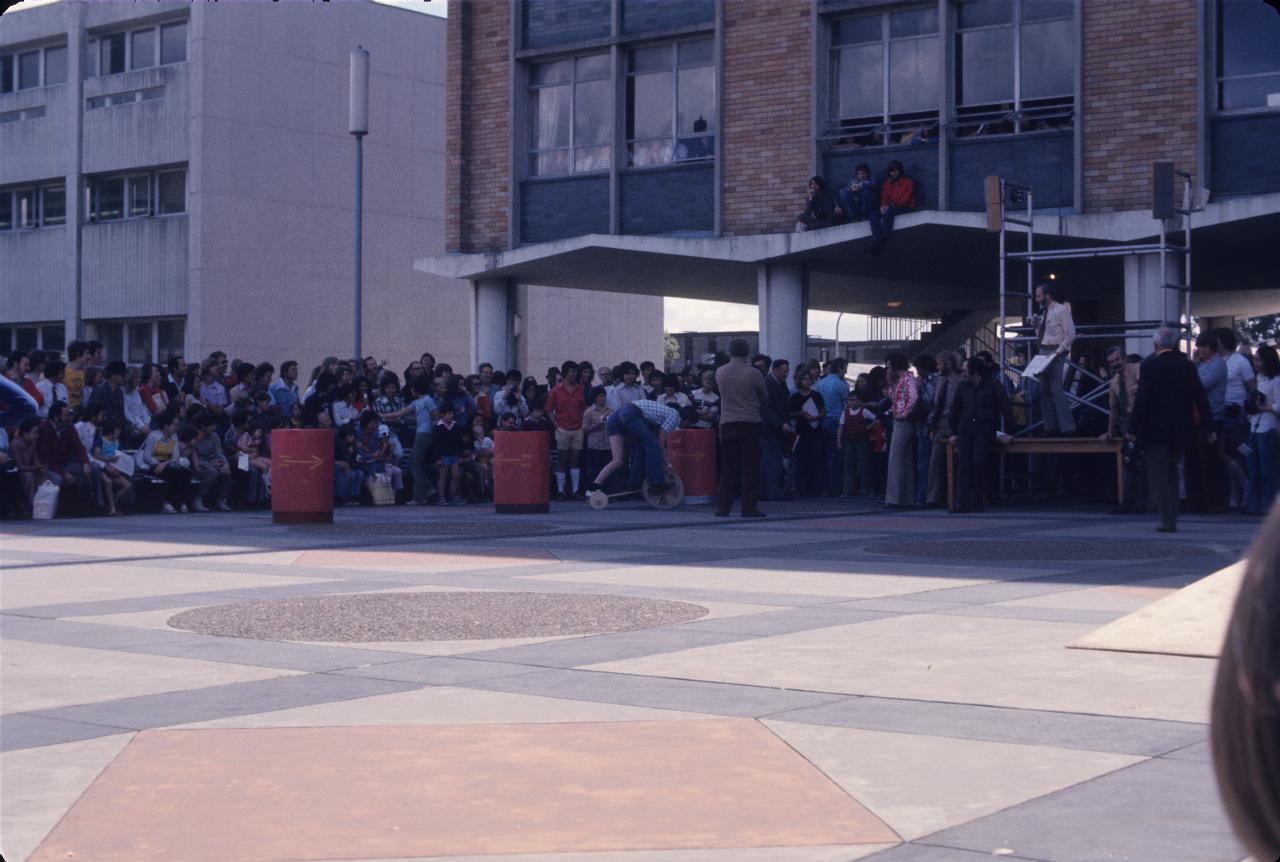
(1245, 716)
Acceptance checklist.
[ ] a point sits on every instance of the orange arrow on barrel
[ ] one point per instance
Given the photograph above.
(314, 462)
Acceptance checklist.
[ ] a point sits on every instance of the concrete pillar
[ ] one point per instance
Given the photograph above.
(782, 291)
(1145, 297)
(491, 340)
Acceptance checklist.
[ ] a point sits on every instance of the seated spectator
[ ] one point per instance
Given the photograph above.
(706, 400)
(54, 374)
(670, 393)
(860, 198)
(137, 418)
(210, 465)
(347, 478)
(160, 456)
(210, 392)
(897, 195)
(110, 393)
(508, 400)
(249, 443)
(537, 419)
(151, 388)
(32, 472)
(284, 390)
(374, 452)
(820, 210)
(114, 474)
(344, 407)
(319, 401)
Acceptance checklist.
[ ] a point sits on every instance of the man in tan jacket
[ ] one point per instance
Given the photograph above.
(742, 399)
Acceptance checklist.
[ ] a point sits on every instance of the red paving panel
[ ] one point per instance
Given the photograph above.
(254, 795)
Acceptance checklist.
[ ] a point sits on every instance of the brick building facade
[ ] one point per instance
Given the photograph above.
(637, 146)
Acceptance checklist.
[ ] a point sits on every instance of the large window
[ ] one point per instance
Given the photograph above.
(139, 48)
(27, 207)
(1015, 65)
(886, 77)
(138, 341)
(570, 116)
(32, 336)
(1248, 55)
(671, 103)
(136, 195)
(34, 68)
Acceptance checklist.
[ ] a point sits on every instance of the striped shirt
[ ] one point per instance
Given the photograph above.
(661, 415)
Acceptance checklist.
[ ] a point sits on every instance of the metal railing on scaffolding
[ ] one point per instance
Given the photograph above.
(1090, 388)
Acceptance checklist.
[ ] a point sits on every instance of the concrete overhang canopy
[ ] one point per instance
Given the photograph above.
(938, 261)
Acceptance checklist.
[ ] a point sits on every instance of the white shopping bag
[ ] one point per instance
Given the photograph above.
(45, 502)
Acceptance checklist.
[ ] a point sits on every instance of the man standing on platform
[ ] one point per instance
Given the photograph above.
(742, 400)
(1168, 389)
(1056, 332)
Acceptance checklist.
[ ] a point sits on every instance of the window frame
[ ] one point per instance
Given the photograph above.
(12, 196)
(9, 335)
(11, 64)
(629, 143)
(531, 153)
(882, 133)
(131, 180)
(1217, 79)
(126, 325)
(94, 45)
(1025, 115)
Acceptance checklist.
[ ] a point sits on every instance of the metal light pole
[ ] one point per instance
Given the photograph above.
(359, 126)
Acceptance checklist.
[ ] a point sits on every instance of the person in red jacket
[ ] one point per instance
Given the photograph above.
(897, 195)
(59, 448)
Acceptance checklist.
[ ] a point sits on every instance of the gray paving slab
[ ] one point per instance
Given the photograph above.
(263, 653)
(1048, 615)
(1200, 752)
(786, 622)
(89, 635)
(905, 604)
(999, 591)
(1158, 809)
(1138, 736)
(438, 670)
(191, 599)
(574, 652)
(928, 853)
(714, 698)
(221, 701)
(21, 730)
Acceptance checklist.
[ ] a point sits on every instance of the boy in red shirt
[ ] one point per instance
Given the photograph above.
(566, 403)
(897, 194)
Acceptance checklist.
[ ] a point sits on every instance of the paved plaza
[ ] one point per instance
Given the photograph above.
(834, 683)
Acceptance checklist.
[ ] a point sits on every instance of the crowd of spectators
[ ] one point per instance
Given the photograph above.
(183, 437)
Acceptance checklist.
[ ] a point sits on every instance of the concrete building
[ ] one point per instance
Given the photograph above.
(663, 149)
(178, 178)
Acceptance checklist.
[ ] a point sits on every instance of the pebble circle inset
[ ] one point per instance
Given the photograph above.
(1033, 549)
(497, 529)
(371, 617)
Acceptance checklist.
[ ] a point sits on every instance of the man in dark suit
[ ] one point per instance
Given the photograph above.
(777, 427)
(1169, 389)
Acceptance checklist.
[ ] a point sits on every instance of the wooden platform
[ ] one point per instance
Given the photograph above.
(1046, 446)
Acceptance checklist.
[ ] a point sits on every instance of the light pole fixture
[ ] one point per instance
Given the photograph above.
(358, 125)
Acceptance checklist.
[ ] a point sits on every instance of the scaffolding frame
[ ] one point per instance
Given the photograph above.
(1008, 335)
